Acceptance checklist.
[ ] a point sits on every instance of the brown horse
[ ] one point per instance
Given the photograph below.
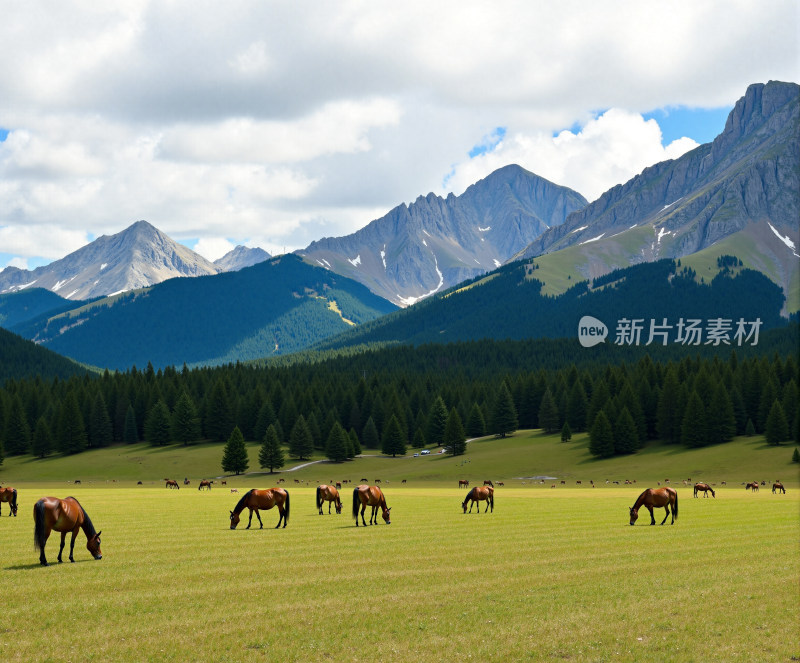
(477, 494)
(328, 494)
(9, 494)
(255, 499)
(463, 482)
(488, 482)
(205, 483)
(67, 515)
(171, 483)
(777, 487)
(753, 485)
(365, 496)
(705, 488)
(656, 497)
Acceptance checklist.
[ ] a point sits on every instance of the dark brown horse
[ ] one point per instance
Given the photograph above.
(171, 483)
(704, 488)
(328, 494)
(9, 494)
(205, 483)
(777, 487)
(67, 515)
(656, 497)
(262, 499)
(753, 485)
(365, 496)
(477, 494)
(463, 482)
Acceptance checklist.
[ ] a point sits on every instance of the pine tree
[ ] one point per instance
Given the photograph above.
(694, 429)
(548, 413)
(219, 413)
(336, 444)
(101, 432)
(301, 444)
(455, 440)
(720, 416)
(504, 414)
(234, 456)
(668, 420)
(394, 440)
(419, 439)
(130, 433)
(371, 438)
(566, 432)
(796, 455)
(185, 420)
(71, 431)
(157, 425)
(626, 437)
(354, 442)
(271, 453)
(776, 429)
(577, 406)
(266, 416)
(42, 439)
(601, 437)
(437, 422)
(17, 431)
(476, 425)
(749, 429)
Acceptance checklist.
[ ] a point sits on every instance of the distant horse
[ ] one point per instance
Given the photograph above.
(463, 482)
(329, 494)
(477, 494)
(705, 488)
(255, 499)
(365, 496)
(67, 515)
(9, 494)
(171, 483)
(186, 482)
(753, 485)
(205, 483)
(656, 497)
(488, 482)
(776, 487)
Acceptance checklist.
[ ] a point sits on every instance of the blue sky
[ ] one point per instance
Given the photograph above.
(700, 124)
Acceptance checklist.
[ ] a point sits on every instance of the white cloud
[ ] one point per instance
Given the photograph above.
(213, 248)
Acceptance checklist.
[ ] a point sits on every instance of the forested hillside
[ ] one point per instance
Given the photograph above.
(22, 359)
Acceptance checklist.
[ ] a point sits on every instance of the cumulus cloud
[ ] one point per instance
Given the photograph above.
(213, 248)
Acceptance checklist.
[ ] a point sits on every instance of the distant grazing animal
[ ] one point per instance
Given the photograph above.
(338, 484)
(403, 481)
(138, 483)
(377, 480)
(500, 483)
(186, 482)
(297, 480)
(224, 483)
(204, 484)
(656, 497)
(67, 515)
(578, 483)
(363, 480)
(329, 494)
(281, 480)
(488, 482)
(171, 483)
(705, 488)
(234, 490)
(753, 485)
(255, 499)
(9, 494)
(776, 487)
(463, 483)
(77, 480)
(763, 483)
(563, 483)
(373, 496)
(477, 494)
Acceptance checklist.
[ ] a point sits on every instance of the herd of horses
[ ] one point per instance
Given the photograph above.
(68, 516)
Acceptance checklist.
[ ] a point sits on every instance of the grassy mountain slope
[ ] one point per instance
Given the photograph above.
(17, 308)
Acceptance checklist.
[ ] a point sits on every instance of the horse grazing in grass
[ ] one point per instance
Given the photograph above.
(777, 487)
(364, 496)
(656, 497)
(205, 483)
(328, 494)
(255, 499)
(477, 494)
(67, 515)
(704, 488)
(171, 483)
(753, 485)
(9, 494)
(463, 482)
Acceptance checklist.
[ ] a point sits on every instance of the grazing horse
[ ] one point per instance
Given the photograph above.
(463, 482)
(365, 496)
(753, 485)
(9, 494)
(776, 487)
(171, 483)
(704, 487)
(67, 515)
(329, 494)
(204, 484)
(488, 482)
(656, 497)
(477, 494)
(255, 499)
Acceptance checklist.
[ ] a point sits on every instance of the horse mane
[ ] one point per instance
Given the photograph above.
(241, 503)
(469, 494)
(87, 522)
(640, 500)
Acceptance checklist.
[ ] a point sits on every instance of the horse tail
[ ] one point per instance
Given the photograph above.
(319, 497)
(14, 500)
(286, 509)
(39, 538)
(355, 503)
(491, 499)
(675, 508)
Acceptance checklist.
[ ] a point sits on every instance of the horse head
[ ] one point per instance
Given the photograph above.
(234, 520)
(93, 546)
(464, 505)
(385, 515)
(634, 515)
(338, 506)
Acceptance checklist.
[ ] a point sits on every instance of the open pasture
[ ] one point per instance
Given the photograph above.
(551, 574)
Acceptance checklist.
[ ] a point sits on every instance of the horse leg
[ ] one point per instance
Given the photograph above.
(330, 504)
(666, 508)
(487, 507)
(61, 549)
(652, 517)
(42, 558)
(280, 518)
(72, 543)
(363, 509)
(260, 523)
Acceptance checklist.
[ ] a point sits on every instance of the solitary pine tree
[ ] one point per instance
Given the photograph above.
(601, 437)
(566, 432)
(394, 440)
(234, 456)
(455, 440)
(776, 429)
(476, 424)
(749, 429)
(548, 413)
(796, 455)
(271, 453)
(354, 442)
(42, 439)
(504, 415)
(337, 443)
(301, 444)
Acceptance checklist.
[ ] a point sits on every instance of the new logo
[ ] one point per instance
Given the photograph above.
(591, 331)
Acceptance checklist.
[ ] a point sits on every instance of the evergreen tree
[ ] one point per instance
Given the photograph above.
(219, 413)
(668, 420)
(266, 416)
(776, 429)
(455, 440)
(185, 420)
(600, 396)
(694, 430)
(354, 442)
(234, 456)
(720, 416)
(130, 433)
(548, 413)
(437, 422)
(17, 431)
(371, 438)
(749, 429)
(157, 425)
(476, 425)
(394, 440)
(101, 432)
(301, 444)
(419, 439)
(42, 443)
(71, 431)
(566, 432)
(337, 443)
(504, 414)
(577, 406)
(271, 453)
(796, 455)
(601, 437)
(626, 437)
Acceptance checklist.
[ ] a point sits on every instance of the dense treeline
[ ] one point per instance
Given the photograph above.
(426, 396)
